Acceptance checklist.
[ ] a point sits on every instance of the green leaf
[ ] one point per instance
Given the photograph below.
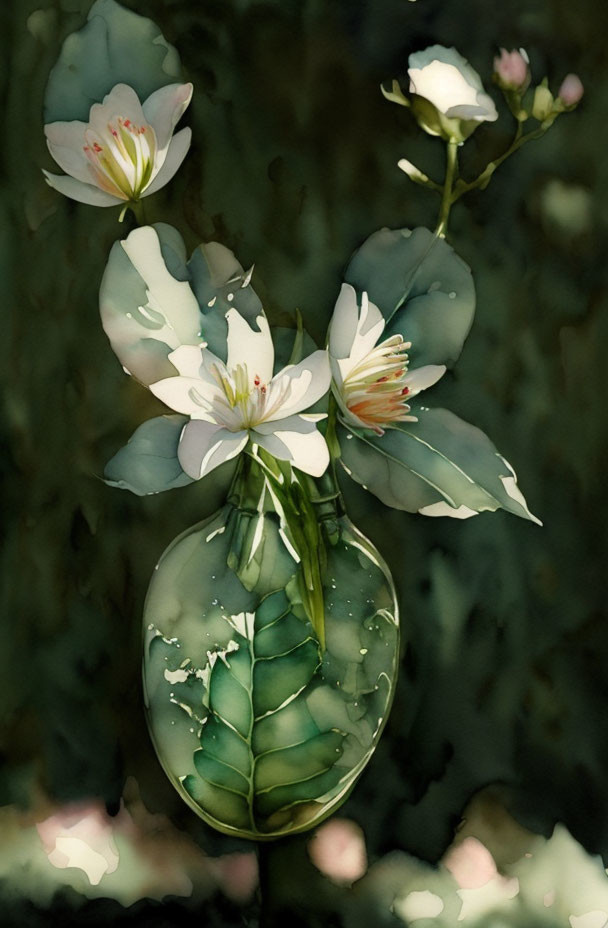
(290, 346)
(257, 692)
(114, 46)
(152, 299)
(148, 463)
(439, 465)
(146, 303)
(395, 94)
(423, 289)
(220, 283)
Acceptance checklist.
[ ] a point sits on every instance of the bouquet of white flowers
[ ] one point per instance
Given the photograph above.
(271, 628)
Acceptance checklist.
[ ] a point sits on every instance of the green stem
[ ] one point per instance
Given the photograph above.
(300, 519)
(484, 178)
(331, 436)
(138, 210)
(447, 199)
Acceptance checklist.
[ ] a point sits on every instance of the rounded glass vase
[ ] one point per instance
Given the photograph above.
(261, 717)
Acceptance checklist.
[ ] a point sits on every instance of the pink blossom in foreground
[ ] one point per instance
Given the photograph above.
(337, 849)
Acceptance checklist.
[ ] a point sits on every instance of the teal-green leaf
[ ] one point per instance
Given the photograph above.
(423, 289)
(439, 465)
(114, 46)
(146, 303)
(148, 463)
(248, 685)
(285, 341)
(152, 299)
(220, 283)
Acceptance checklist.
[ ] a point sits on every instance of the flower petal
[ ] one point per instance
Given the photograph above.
(369, 329)
(343, 325)
(164, 108)
(172, 298)
(121, 101)
(483, 109)
(303, 384)
(204, 446)
(77, 190)
(443, 85)
(187, 360)
(423, 377)
(200, 364)
(189, 395)
(177, 151)
(353, 332)
(447, 56)
(249, 348)
(66, 143)
(297, 440)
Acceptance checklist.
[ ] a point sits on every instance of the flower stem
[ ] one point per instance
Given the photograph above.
(447, 197)
(137, 208)
(485, 177)
(299, 517)
(331, 436)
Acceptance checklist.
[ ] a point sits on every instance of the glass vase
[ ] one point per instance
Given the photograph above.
(262, 715)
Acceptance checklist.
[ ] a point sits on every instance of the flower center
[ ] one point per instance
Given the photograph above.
(122, 157)
(374, 389)
(243, 405)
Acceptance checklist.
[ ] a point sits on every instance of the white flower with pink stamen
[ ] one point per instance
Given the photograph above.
(372, 382)
(126, 151)
(232, 403)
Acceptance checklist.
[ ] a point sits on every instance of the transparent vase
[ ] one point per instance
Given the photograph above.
(262, 721)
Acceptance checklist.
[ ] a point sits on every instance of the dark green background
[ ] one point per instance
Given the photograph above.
(293, 164)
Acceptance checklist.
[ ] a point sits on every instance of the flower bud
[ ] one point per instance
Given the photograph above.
(571, 90)
(542, 106)
(448, 98)
(511, 70)
(412, 171)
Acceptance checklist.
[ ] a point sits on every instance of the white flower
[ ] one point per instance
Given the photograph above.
(240, 401)
(443, 78)
(371, 381)
(126, 151)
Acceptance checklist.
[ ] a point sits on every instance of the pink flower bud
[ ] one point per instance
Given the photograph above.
(571, 90)
(512, 69)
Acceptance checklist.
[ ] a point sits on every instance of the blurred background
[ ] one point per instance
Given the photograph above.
(487, 799)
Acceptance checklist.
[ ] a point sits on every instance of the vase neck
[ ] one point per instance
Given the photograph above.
(251, 488)
(247, 490)
(324, 494)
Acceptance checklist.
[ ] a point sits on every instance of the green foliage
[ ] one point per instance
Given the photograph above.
(115, 46)
(152, 299)
(258, 692)
(440, 461)
(148, 463)
(219, 284)
(423, 289)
